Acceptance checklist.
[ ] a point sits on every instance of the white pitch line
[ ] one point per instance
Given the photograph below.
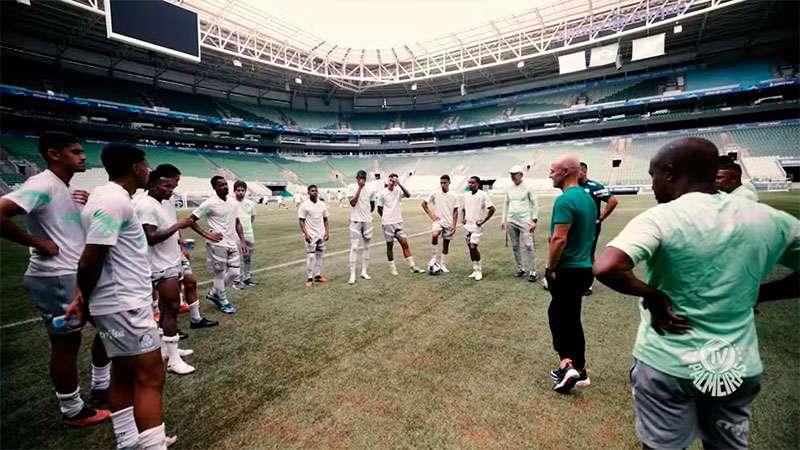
(202, 283)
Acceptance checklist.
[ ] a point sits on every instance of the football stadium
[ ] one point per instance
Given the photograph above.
(203, 205)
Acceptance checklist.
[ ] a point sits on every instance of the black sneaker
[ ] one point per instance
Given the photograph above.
(182, 335)
(87, 416)
(203, 323)
(520, 273)
(249, 282)
(98, 397)
(532, 277)
(564, 379)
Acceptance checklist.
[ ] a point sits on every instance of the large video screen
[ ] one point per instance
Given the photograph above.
(156, 25)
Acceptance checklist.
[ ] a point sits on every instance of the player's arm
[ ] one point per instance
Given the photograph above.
(788, 287)
(213, 236)
(534, 205)
(556, 245)
(325, 223)
(157, 235)
(242, 242)
(380, 205)
(504, 214)
(90, 267)
(455, 217)
(14, 233)
(303, 229)
(354, 198)
(488, 215)
(405, 191)
(611, 203)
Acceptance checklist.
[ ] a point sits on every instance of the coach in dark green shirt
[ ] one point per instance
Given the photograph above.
(569, 271)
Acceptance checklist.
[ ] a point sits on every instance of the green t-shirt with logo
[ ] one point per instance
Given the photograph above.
(576, 208)
(598, 192)
(708, 253)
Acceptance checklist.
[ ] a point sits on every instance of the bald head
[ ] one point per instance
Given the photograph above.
(684, 165)
(564, 170)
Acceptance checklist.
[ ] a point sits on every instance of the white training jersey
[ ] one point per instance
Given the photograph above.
(314, 214)
(124, 284)
(389, 199)
(51, 214)
(221, 216)
(150, 211)
(247, 209)
(361, 212)
(442, 204)
(476, 206)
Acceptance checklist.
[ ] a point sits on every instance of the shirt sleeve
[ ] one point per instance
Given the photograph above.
(325, 211)
(563, 211)
(602, 193)
(146, 213)
(488, 201)
(31, 196)
(301, 212)
(105, 221)
(640, 239)
(380, 199)
(202, 211)
(791, 255)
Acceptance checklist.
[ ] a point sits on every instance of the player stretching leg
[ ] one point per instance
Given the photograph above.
(247, 215)
(392, 222)
(114, 279)
(441, 206)
(362, 203)
(313, 217)
(478, 209)
(223, 242)
(55, 235)
(161, 229)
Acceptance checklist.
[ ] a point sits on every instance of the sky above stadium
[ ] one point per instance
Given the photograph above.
(388, 23)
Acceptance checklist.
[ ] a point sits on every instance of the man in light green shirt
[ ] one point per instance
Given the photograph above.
(520, 216)
(697, 362)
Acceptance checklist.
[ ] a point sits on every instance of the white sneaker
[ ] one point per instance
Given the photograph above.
(444, 268)
(179, 367)
(352, 279)
(366, 276)
(478, 276)
(185, 352)
(415, 269)
(392, 268)
(473, 274)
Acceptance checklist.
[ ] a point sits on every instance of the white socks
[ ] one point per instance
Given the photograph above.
(318, 265)
(153, 439)
(476, 266)
(311, 262)
(194, 311)
(393, 268)
(125, 430)
(71, 404)
(410, 261)
(434, 252)
(443, 259)
(101, 376)
(219, 283)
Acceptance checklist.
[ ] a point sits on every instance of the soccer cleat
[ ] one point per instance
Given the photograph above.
(320, 279)
(415, 269)
(98, 397)
(544, 284)
(352, 279)
(392, 270)
(179, 367)
(365, 275)
(214, 298)
(583, 379)
(444, 268)
(532, 277)
(249, 282)
(203, 323)
(185, 352)
(478, 276)
(182, 334)
(227, 308)
(238, 285)
(183, 309)
(221, 302)
(472, 275)
(520, 273)
(87, 416)
(309, 283)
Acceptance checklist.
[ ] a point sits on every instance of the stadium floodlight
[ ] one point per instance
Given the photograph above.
(237, 63)
(520, 64)
(414, 87)
(298, 80)
(678, 28)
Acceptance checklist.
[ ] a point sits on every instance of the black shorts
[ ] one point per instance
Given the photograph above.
(596, 237)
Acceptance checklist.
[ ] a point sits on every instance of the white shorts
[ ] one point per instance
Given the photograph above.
(394, 231)
(186, 265)
(316, 245)
(359, 230)
(447, 231)
(128, 333)
(221, 258)
(473, 233)
(175, 272)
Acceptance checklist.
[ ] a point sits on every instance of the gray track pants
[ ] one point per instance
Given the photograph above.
(517, 233)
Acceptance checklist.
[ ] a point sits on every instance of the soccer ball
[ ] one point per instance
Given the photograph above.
(434, 269)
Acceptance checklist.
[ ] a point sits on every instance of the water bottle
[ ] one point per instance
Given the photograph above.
(60, 324)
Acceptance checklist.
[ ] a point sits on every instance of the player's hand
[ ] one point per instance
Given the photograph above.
(361, 182)
(307, 238)
(549, 275)
(325, 237)
(186, 253)
(434, 217)
(74, 312)
(186, 222)
(80, 196)
(245, 249)
(214, 236)
(46, 248)
(531, 226)
(479, 222)
(662, 319)
(503, 226)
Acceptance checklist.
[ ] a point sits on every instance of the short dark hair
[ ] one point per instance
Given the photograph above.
(393, 175)
(168, 170)
(118, 159)
(55, 140)
(312, 186)
(215, 178)
(583, 164)
(733, 167)
(361, 174)
(445, 177)
(157, 175)
(476, 178)
(238, 184)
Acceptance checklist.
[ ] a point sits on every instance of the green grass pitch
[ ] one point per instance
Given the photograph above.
(405, 361)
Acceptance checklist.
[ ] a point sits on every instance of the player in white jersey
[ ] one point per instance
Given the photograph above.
(442, 207)
(161, 229)
(362, 202)
(247, 215)
(313, 218)
(392, 222)
(477, 210)
(114, 279)
(224, 241)
(55, 237)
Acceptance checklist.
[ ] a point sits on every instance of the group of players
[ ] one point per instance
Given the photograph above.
(103, 257)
